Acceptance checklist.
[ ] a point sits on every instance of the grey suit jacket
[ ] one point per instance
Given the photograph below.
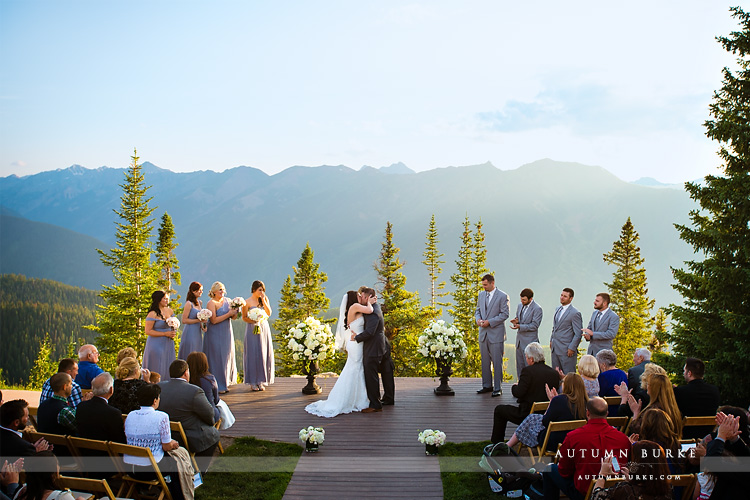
(187, 403)
(497, 312)
(528, 326)
(605, 332)
(566, 331)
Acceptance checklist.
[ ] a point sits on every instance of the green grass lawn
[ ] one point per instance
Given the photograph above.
(264, 475)
(468, 485)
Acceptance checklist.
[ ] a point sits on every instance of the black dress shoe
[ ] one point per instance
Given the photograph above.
(497, 393)
(484, 389)
(385, 402)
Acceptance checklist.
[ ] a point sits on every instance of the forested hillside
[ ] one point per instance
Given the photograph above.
(31, 308)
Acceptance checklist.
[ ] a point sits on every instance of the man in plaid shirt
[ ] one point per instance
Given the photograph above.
(69, 366)
(55, 415)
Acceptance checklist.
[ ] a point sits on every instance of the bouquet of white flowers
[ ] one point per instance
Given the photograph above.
(237, 303)
(257, 315)
(442, 340)
(310, 340)
(203, 316)
(315, 435)
(434, 438)
(173, 323)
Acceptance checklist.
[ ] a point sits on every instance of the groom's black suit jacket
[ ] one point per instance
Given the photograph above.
(373, 336)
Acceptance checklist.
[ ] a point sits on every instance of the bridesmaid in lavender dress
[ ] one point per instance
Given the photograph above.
(159, 351)
(192, 333)
(218, 344)
(258, 359)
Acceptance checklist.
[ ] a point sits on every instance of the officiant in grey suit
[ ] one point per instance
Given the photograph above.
(527, 321)
(603, 325)
(493, 308)
(566, 333)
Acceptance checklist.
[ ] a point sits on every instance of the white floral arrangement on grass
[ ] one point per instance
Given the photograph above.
(173, 323)
(257, 315)
(310, 340)
(237, 303)
(316, 435)
(428, 436)
(442, 340)
(204, 315)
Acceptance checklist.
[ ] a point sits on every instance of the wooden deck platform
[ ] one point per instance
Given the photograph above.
(371, 455)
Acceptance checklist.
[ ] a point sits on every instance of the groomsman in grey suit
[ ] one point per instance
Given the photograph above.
(603, 325)
(566, 333)
(527, 321)
(493, 308)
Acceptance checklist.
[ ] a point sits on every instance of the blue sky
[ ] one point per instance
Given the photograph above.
(214, 85)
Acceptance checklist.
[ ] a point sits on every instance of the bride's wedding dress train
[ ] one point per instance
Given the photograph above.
(349, 393)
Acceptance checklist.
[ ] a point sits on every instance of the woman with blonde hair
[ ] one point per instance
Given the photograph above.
(126, 384)
(588, 369)
(218, 343)
(569, 405)
(661, 396)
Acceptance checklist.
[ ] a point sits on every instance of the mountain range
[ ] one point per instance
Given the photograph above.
(546, 223)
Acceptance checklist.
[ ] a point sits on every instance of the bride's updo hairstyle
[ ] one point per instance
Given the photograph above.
(259, 284)
(351, 299)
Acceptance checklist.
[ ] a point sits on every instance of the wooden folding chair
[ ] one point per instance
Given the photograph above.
(613, 400)
(608, 483)
(565, 425)
(181, 437)
(619, 423)
(68, 463)
(82, 447)
(686, 481)
(98, 487)
(705, 421)
(217, 425)
(117, 450)
(539, 407)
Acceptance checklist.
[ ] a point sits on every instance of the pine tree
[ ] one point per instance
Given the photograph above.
(43, 367)
(466, 287)
(480, 254)
(403, 317)
(167, 263)
(629, 295)
(713, 324)
(660, 337)
(300, 299)
(432, 261)
(120, 319)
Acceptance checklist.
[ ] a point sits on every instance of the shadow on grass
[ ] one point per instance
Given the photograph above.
(250, 469)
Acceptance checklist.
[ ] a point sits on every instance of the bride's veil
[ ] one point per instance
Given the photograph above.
(341, 336)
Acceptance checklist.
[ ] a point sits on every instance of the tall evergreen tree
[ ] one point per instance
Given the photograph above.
(713, 324)
(466, 286)
(659, 339)
(299, 299)
(432, 260)
(166, 261)
(480, 254)
(629, 295)
(403, 317)
(120, 319)
(43, 367)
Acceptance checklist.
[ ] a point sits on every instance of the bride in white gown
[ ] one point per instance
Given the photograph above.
(349, 393)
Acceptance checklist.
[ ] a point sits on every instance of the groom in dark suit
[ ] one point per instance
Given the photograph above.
(376, 356)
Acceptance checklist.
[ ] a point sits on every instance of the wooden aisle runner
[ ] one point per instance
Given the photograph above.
(374, 455)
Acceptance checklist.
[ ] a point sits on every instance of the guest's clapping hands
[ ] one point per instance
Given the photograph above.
(633, 438)
(9, 472)
(560, 372)
(88, 396)
(635, 406)
(728, 427)
(41, 444)
(551, 392)
(623, 391)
